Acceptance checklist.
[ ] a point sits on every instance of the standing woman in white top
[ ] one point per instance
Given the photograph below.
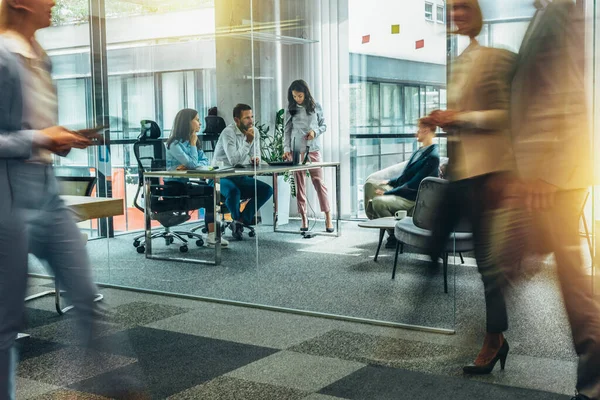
(304, 124)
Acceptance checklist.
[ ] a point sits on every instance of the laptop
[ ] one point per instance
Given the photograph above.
(280, 163)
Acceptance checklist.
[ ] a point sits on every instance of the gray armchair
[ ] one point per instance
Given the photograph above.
(389, 173)
(415, 231)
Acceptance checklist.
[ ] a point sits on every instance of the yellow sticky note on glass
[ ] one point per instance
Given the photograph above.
(395, 29)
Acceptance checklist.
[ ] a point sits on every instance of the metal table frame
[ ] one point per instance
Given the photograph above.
(216, 176)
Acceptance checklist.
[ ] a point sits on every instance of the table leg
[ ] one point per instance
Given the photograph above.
(147, 219)
(338, 202)
(217, 208)
(275, 205)
(381, 233)
(395, 260)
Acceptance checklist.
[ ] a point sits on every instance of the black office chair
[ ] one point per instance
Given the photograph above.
(169, 203)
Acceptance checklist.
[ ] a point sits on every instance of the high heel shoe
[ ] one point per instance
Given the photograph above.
(304, 227)
(487, 368)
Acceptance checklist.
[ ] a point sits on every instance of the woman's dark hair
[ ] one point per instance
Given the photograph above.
(309, 103)
(181, 126)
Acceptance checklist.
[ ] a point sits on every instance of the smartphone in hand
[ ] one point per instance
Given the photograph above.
(93, 134)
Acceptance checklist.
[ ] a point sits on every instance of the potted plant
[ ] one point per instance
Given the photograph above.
(271, 149)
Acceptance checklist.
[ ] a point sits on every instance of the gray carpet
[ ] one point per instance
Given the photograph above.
(338, 276)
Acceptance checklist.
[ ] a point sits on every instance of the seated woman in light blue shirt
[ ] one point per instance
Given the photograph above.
(183, 154)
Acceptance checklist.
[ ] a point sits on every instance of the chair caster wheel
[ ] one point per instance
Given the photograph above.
(199, 242)
(251, 233)
(190, 236)
(183, 249)
(136, 243)
(141, 249)
(204, 230)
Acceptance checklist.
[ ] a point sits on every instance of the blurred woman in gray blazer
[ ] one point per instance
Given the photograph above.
(32, 216)
(477, 121)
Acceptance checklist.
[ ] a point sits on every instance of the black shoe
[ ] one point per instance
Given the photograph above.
(330, 230)
(580, 396)
(487, 368)
(304, 229)
(391, 242)
(237, 230)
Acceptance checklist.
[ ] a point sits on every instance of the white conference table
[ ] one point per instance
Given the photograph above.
(216, 176)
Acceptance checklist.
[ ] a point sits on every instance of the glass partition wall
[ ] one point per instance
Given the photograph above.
(374, 70)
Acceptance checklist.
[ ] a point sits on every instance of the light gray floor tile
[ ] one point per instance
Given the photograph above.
(28, 389)
(65, 366)
(298, 371)
(246, 325)
(227, 388)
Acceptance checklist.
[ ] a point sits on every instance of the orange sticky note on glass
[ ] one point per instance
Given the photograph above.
(419, 44)
(366, 39)
(395, 29)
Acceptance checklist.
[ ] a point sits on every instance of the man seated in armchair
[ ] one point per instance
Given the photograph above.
(400, 192)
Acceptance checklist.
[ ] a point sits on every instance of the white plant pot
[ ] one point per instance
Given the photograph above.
(284, 194)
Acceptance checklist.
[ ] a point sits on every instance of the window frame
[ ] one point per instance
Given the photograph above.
(437, 9)
(430, 18)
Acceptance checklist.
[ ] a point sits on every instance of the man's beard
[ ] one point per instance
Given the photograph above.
(244, 128)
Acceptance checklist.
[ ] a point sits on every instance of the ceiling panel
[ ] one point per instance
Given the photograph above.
(499, 9)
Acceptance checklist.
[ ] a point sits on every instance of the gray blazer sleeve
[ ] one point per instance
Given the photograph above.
(322, 128)
(13, 143)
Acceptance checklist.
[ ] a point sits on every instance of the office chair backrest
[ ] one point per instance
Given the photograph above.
(150, 154)
(76, 185)
(429, 200)
(429, 203)
(150, 130)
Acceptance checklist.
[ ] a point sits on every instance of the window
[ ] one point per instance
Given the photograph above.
(390, 104)
(440, 14)
(429, 11)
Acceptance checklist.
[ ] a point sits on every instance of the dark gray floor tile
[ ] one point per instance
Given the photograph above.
(142, 313)
(171, 362)
(32, 347)
(371, 349)
(35, 318)
(379, 383)
(65, 394)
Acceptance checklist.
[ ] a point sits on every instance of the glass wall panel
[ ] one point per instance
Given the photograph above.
(68, 47)
(404, 73)
(374, 68)
(372, 85)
